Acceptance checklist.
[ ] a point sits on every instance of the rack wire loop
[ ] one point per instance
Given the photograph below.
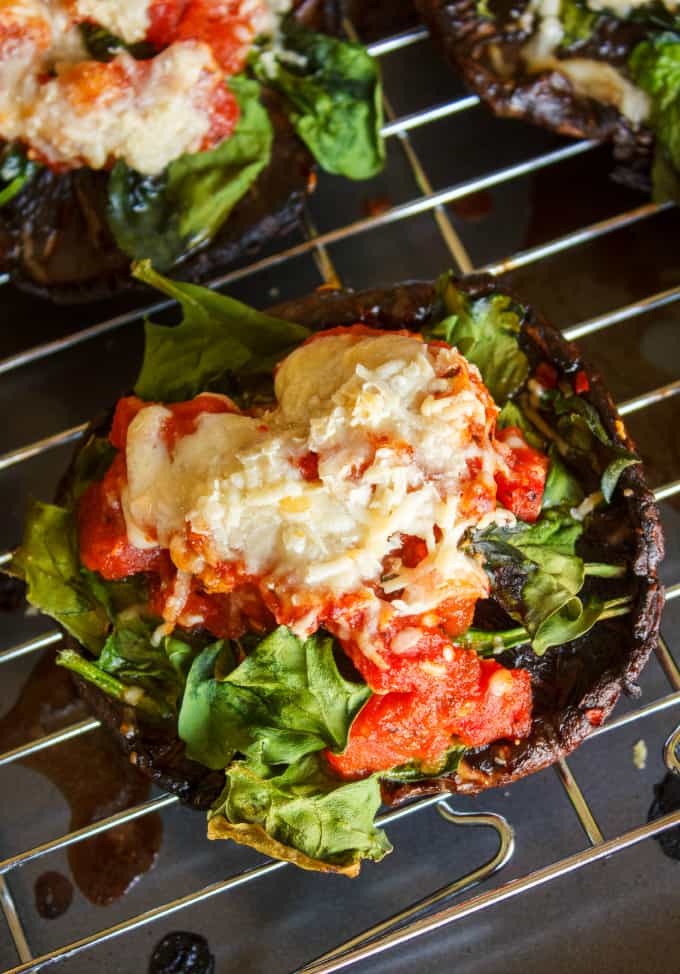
(505, 851)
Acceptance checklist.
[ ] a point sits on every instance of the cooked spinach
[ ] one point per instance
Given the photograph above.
(16, 170)
(48, 562)
(333, 97)
(217, 335)
(166, 218)
(102, 45)
(285, 700)
(537, 577)
(655, 67)
(486, 331)
(301, 813)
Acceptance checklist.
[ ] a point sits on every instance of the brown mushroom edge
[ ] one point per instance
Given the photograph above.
(476, 47)
(575, 686)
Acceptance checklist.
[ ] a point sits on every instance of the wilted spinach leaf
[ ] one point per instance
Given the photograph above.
(16, 170)
(655, 67)
(303, 814)
(286, 699)
(167, 217)
(562, 488)
(217, 335)
(102, 45)
(333, 97)
(537, 577)
(486, 331)
(580, 426)
(48, 562)
(578, 22)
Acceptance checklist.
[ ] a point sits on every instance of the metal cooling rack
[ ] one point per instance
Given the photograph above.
(420, 918)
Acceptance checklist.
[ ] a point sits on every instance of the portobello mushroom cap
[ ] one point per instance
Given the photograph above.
(575, 686)
(55, 240)
(487, 53)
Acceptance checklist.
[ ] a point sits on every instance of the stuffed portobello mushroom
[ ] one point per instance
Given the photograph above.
(587, 68)
(185, 132)
(363, 546)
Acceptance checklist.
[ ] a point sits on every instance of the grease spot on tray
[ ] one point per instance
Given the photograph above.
(94, 778)
(666, 800)
(182, 953)
(53, 894)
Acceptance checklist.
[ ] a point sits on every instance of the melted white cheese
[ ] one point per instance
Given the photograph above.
(391, 425)
(128, 19)
(158, 118)
(590, 78)
(146, 119)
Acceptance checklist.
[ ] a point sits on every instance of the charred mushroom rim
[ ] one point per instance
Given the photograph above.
(608, 71)
(573, 608)
(305, 97)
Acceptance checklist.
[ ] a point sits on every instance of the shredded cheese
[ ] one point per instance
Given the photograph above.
(389, 464)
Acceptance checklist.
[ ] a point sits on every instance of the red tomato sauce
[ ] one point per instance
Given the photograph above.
(477, 702)
(521, 488)
(104, 545)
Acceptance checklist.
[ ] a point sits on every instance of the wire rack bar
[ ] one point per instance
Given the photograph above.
(492, 898)
(671, 753)
(649, 398)
(580, 805)
(640, 307)
(31, 645)
(577, 237)
(673, 591)
(398, 126)
(192, 899)
(48, 740)
(394, 215)
(397, 42)
(668, 664)
(651, 709)
(42, 446)
(88, 831)
(14, 922)
(663, 493)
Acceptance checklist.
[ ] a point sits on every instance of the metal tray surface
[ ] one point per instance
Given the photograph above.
(505, 189)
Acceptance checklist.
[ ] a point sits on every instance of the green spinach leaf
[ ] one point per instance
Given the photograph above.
(416, 771)
(486, 331)
(334, 98)
(165, 218)
(562, 488)
(580, 426)
(537, 577)
(103, 46)
(578, 22)
(304, 815)
(218, 334)
(285, 700)
(655, 67)
(16, 170)
(48, 562)
(512, 415)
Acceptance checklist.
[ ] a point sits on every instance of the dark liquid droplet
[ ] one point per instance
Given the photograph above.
(53, 895)
(666, 800)
(182, 953)
(12, 594)
(95, 779)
